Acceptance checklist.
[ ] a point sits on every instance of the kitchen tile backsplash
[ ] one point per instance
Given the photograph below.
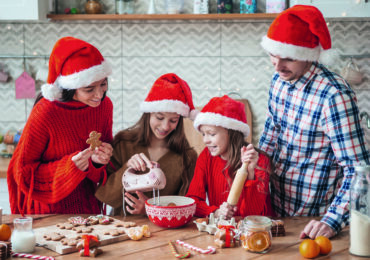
(214, 57)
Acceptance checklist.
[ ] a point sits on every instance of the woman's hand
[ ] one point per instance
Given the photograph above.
(226, 210)
(250, 155)
(102, 154)
(81, 159)
(139, 162)
(137, 204)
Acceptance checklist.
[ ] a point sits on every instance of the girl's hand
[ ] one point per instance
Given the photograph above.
(226, 210)
(102, 154)
(250, 155)
(81, 159)
(137, 205)
(139, 162)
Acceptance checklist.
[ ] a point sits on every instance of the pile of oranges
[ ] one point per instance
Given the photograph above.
(5, 232)
(312, 248)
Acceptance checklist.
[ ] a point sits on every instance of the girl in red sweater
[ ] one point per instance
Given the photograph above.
(53, 170)
(223, 125)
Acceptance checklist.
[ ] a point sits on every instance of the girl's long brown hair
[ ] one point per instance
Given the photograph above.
(236, 142)
(140, 134)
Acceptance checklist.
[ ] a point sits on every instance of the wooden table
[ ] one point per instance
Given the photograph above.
(156, 247)
(4, 162)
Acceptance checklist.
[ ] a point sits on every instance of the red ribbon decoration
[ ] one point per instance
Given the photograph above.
(229, 236)
(87, 239)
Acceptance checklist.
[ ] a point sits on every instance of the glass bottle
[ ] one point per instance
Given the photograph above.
(256, 234)
(125, 6)
(360, 212)
(23, 238)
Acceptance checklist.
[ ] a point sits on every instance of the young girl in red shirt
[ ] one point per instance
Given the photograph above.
(223, 125)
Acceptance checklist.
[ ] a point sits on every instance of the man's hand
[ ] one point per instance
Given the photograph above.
(316, 228)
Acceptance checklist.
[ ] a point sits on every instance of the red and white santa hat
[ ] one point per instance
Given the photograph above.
(170, 93)
(225, 112)
(299, 33)
(73, 64)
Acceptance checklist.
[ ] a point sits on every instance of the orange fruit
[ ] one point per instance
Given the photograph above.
(5, 232)
(324, 244)
(309, 248)
(258, 241)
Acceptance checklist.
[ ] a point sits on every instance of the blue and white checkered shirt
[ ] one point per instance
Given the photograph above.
(314, 137)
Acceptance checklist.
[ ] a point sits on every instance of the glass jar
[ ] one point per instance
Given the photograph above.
(256, 234)
(23, 238)
(174, 6)
(360, 212)
(125, 6)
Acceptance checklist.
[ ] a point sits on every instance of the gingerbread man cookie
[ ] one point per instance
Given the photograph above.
(125, 224)
(82, 229)
(54, 236)
(93, 140)
(67, 226)
(92, 252)
(114, 232)
(70, 241)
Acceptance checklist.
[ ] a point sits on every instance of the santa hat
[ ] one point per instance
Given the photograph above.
(170, 93)
(300, 33)
(73, 64)
(226, 112)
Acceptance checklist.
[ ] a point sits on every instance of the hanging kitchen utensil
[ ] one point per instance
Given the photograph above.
(3, 75)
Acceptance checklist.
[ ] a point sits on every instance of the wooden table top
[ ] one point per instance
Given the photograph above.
(156, 247)
(4, 162)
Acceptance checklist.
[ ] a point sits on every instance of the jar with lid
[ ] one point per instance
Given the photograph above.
(23, 238)
(256, 234)
(360, 212)
(125, 6)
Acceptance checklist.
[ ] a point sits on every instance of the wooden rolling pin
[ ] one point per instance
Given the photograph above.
(238, 184)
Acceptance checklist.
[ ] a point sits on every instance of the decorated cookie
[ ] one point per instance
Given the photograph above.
(78, 221)
(93, 140)
(104, 220)
(67, 225)
(125, 224)
(93, 220)
(54, 236)
(88, 241)
(83, 229)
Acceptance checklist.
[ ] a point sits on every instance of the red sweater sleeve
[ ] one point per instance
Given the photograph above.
(255, 199)
(198, 187)
(47, 182)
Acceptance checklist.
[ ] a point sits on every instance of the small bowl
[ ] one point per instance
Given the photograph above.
(171, 216)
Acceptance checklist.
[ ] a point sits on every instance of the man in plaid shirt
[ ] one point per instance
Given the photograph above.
(312, 131)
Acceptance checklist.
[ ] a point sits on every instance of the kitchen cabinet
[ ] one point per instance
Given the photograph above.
(335, 8)
(23, 9)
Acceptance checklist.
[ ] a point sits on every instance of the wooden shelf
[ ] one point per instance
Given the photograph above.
(257, 16)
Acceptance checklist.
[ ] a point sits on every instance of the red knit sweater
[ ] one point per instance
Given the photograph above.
(209, 180)
(42, 178)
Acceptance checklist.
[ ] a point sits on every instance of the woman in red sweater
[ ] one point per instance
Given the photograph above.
(53, 170)
(223, 125)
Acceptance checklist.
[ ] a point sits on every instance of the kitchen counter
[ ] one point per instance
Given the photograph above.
(156, 247)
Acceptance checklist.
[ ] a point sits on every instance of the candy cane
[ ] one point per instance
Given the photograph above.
(210, 250)
(21, 255)
(177, 255)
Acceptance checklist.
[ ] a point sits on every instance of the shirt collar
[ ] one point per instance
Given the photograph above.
(302, 81)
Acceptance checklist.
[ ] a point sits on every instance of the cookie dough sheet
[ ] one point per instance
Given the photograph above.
(58, 247)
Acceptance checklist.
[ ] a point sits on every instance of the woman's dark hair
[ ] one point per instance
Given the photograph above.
(140, 134)
(67, 95)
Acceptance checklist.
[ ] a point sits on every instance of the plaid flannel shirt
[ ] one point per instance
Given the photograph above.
(313, 134)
